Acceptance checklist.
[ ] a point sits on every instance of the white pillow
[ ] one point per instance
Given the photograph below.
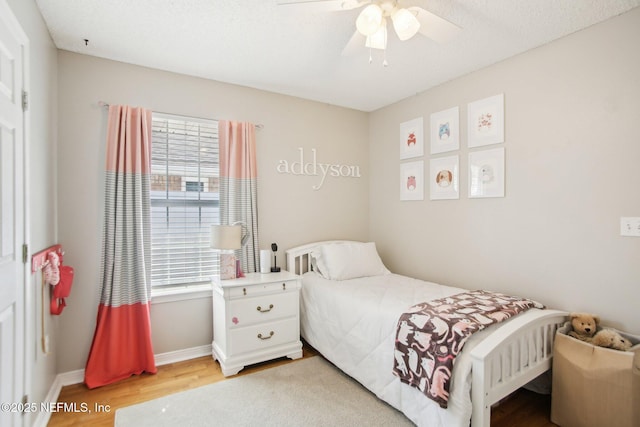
(348, 260)
(317, 262)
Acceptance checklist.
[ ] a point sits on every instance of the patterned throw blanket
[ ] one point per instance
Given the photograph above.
(431, 334)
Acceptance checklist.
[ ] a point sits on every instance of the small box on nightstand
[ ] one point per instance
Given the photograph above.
(227, 266)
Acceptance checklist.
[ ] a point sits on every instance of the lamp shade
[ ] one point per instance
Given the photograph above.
(405, 23)
(226, 237)
(369, 20)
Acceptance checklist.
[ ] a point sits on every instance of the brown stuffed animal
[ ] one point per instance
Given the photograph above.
(611, 339)
(584, 326)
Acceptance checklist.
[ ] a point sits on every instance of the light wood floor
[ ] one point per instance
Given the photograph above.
(523, 409)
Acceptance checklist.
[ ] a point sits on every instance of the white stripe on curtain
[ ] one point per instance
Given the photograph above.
(122, 339)
(239, 185)
(126, 255)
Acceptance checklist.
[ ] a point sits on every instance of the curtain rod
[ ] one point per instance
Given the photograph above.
(106, 104)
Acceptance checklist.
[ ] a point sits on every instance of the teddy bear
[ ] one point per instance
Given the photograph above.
(584, 326)
(610, 338)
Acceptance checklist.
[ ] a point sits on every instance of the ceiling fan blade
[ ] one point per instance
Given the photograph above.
(434, 27)
(338, 4)
(286, 2)
(352, 4)
(355, 44)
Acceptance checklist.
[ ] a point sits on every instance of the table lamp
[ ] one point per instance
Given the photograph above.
(226, 239)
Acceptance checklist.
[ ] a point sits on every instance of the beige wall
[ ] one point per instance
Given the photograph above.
(290, 211)
(572, 150)
(572, 170)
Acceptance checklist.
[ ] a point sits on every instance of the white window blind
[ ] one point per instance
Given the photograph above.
(184, 199)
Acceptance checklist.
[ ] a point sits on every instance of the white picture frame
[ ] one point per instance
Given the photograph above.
(444, 178)
(486, 173)
(445, 130)
(485, 121)
(412, 138)
(412, 180)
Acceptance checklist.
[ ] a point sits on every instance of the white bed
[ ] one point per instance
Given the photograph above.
(352, 322)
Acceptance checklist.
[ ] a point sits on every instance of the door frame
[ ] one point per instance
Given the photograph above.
(26, 294)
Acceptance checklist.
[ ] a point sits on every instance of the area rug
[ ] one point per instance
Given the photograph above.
(309, 392)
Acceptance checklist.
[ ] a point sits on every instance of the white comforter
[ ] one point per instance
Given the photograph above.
(353, 324)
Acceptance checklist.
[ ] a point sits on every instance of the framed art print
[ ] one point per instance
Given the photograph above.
(412, 180)
(444, 178)
(485, 121)
(445, 130)
(412, 138)
(486, 173)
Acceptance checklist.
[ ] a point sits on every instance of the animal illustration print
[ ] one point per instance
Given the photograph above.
(411, 139)
(411, 182)
(444, 131)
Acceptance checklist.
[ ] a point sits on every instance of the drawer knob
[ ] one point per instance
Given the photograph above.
(265, 338)
(244, 291)
(284, 286)
(261, 310)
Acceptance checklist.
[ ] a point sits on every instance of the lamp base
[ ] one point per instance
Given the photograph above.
(275, 269)
(227, 266)
(239, 272)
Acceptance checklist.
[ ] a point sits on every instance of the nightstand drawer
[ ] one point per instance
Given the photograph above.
(263, 288)
(263, 336)
(262, 309)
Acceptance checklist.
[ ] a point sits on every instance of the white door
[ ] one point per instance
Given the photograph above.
(12, 232)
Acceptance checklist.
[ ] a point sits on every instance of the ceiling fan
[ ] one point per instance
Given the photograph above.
(372, 22)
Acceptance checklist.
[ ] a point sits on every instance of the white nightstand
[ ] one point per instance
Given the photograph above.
(255, 318)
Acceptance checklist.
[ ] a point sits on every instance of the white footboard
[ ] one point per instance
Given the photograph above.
(511, 357)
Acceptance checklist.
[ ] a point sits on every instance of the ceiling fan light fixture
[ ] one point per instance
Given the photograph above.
(370, 20)
(349, 4)
(378, 40)
(405, 23)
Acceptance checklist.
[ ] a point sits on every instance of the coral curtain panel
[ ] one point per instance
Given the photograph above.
(122, 340)
(239, 184)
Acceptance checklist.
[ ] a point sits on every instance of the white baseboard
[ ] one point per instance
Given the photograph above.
(76, 377)
(52, 396)
(181, 355)
(71, 377)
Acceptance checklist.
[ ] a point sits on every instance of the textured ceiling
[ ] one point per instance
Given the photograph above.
(296, 49)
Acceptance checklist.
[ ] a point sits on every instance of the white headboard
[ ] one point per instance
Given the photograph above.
(298, 259)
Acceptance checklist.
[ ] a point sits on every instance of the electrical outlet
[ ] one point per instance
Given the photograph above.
(630, 226)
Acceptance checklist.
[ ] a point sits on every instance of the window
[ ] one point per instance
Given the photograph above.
(184, 200)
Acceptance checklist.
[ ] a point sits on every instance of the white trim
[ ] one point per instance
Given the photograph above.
(180, 293)
(76, 377)
(68, 378)
(12, 22)
(52, 396)
(182, 355)
(180, 117)
(25, 298)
